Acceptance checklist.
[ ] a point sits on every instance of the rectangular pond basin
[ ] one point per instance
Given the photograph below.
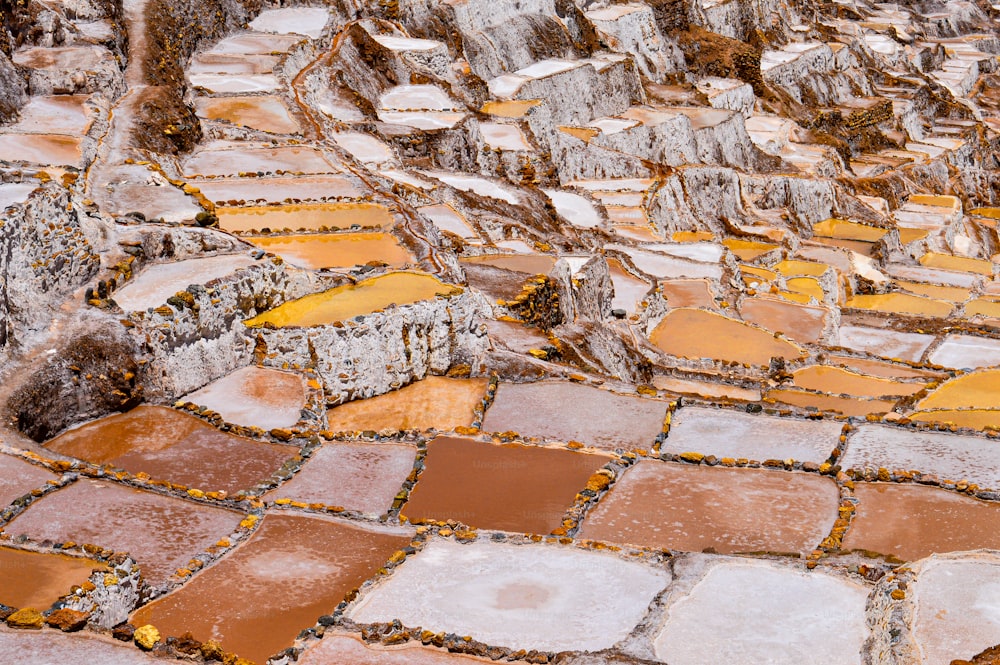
(525, 489)
(315, 251)
(264, 112)
(36, 580)
(948, 456)
(692, 508)
(340, 649)
(813, 401)
(43, 149)
(438, 402)
(155, 283)
(885, 343)
(345, 302)
(175, 446)
(160, 532)
(914, 521)
(730, 433)
(293, 570)
(769, 613)
(255, 396)
(54, 114)
(567, 412)
(966, 352)
(50, 647)
(18, 478)
(364, 477)
(305, 217)
(695, 334)
(230, 159)
(802, 323)
(518, 596)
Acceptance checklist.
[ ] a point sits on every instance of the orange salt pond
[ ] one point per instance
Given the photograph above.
(686, 293)
(174, 446)
(882, 368)
(971, 418)
(693, 333)
(844, 382)
(292, 571)
(845, 230)
(566, 412)
(279, 189)
(18, 478)
(692, 508)
(257, 396)
(436, 401)
(525, 489)
(531, 264)
(45, 149)
(847, 406)
(955, 294)
(747, 250)
(978, 390)
(266, 113)
(802, 323)
(901, 303)
(32, 579)
(160, 532)
(305, 217)
(364, 477)
(914, 521)
(335, 250)
(365, 297)
(957, 263)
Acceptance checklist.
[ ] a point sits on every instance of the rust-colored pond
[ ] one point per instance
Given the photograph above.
(33, 579)
(694, 333)
(692, 508)
(174, 446)
(293, 570)
(915, 521)
(509, 487)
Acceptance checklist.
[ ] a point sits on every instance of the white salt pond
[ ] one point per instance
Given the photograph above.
(578, 210)
(525, 597)
(222, 159)
(14, 193)
(448, 219)
(156, 283)
(308, 21)
(504, 137)
(255, 396)
(885, 343)
(967, 352)
(949, 456)
(364, 148)
(51, 647)
(481, 186)
(729, 433)
(235, 83)
(753, 612)
(957, 601)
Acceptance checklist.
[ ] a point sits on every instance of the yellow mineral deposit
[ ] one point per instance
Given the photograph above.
(842, 229)
(957, 263)
(346, 302)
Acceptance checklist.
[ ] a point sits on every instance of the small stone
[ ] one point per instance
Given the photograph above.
(68, 620)
(146, 637)
(123, 632)
(26, 618)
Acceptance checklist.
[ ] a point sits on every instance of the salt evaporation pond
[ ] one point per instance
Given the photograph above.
(344, 302)
(767, 613)
(438, 402)
(18, 478)
(264, 112)
(335, 250)
(160, 532)
(305, 217)
(36, 580)
(292, 570)
(255, 396)
(174, 446)
(362, 477)
(509, 487)
(156, 283)
(521, 597)
(691, 508)
(695, 333)
(340, 649)
(51, 647)
(967, 352)
(280, 189)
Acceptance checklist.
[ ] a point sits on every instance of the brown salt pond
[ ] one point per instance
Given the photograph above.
(257, 396)
(972, 418)
(18, 477)
(914, 521)
(847, 406)
(336, 250)
(686, 293)
(801, 323)
(340, 649)
(692, 508)
(279, 189)
(567, 412)
(266, 112)
(345, 302)
(694, 333)
(525, 489)
(437, 402)
(293, 570)
(364, 477)
(305, 217)
(174, 446)
(161, 533)
(844, 382)
(32, 579)
(46, 149)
